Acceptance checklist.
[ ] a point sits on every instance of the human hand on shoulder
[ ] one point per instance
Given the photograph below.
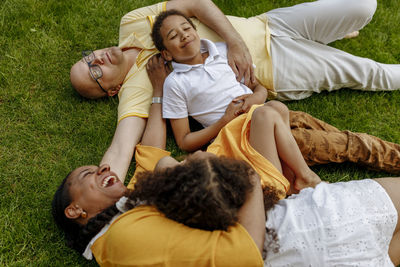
(158, 72)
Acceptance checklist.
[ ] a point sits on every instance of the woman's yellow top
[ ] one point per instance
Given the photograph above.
(145, 237)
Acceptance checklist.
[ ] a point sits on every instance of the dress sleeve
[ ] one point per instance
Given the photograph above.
(146, 158)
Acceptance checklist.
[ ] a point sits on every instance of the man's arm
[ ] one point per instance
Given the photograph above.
(126, 136)
(130, 129)
(206, 11)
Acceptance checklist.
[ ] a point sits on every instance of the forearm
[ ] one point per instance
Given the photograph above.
(261, 92)
(120, 153)
(252, 215)
(118, 159)
(155, 133)
(209, 14)
(196, 140)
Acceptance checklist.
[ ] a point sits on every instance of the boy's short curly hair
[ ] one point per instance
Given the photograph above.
(156, 32)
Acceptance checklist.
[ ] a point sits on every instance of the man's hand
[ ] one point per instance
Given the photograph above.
(239, 59)
(158, 72)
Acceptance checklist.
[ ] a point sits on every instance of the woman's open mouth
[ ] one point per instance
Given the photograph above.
(109, 181)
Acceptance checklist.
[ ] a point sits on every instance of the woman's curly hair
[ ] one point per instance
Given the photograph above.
(156, 32)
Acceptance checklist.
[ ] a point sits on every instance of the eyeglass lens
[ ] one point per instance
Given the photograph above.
(88, 55)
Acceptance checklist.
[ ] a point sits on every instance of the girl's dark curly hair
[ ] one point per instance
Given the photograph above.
(156, 32)
(205, 194)
(77, 235)
(201, 193)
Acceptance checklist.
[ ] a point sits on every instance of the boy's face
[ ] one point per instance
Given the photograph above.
(180, 39)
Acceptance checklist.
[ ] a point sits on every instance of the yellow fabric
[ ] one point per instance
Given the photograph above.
(146, 159)
(136, 91)
(233, 141)
(144, 237)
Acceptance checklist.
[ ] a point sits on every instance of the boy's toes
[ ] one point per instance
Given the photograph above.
(352, 35)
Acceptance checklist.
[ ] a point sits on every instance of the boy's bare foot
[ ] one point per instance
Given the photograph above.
(352, 35)
(291, 177)
(311, 179)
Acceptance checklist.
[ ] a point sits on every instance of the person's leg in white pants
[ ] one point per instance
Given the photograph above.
(304, 64)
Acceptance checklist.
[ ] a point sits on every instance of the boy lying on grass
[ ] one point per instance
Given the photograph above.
(204, 86)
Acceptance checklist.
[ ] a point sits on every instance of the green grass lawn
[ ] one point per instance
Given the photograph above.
(46, 129)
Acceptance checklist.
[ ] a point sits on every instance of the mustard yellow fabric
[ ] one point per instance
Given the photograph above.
(146, 159)
(144, 237)
(136, 92)
(233, 141)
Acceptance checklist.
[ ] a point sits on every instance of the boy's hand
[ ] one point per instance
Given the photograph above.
(239, 59)
(249, 100)
(232, 111)
(158, 72)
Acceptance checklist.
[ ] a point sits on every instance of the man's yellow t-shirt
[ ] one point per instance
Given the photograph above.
(135, 28)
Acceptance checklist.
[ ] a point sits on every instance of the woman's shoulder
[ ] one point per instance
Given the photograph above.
(144, 235)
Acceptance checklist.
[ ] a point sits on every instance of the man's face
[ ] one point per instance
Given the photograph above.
(180, 39)
(112, 63)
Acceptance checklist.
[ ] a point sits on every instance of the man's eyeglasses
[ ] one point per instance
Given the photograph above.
(94, 70)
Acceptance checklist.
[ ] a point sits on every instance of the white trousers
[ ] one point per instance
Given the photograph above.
(304, 64)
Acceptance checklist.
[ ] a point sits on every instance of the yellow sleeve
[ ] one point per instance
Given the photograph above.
(144, 237)
(136, 91)
(135, 26)
(146, 159)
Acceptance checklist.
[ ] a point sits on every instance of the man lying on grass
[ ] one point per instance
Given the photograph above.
(288, 47)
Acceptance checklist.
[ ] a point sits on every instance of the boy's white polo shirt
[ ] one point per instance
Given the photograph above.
(202, 91)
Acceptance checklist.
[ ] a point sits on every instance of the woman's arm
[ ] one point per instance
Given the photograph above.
(206, 11)
(191, 141)
(155, 132)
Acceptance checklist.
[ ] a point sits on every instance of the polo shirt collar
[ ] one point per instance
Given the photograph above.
(205, 45)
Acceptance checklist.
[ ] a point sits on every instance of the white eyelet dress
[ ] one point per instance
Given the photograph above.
(338, 224)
